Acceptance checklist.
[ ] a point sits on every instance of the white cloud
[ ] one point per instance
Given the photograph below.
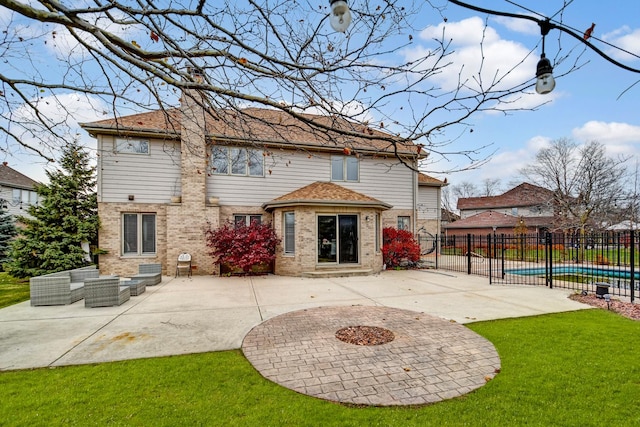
(625, 38)
(479, 56)
(63, 113)
(509, 163)
(522, 26)
(619, 138)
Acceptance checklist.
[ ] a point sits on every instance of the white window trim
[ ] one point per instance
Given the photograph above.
(247, 218)
(247, 169)
(286, 250)
(139, 236)
(117, 149)
(345, 161)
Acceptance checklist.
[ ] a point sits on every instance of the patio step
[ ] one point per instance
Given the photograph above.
(338, 273)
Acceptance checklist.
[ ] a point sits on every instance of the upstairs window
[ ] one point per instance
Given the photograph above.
(25, 197)
(237, 161)
(344, 168)
(132, 146)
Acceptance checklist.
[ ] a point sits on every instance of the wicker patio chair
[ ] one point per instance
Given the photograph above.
(61, 288)
(105, 292)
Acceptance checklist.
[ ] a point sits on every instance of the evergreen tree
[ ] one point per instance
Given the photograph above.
(7, 234)
(65, 217)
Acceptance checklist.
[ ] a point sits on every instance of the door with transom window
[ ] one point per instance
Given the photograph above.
(338, 239)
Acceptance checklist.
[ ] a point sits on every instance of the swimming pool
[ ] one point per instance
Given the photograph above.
(584, 271)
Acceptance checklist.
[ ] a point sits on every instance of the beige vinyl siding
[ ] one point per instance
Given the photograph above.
(386, 180)
(428, 202)
(150, 178)
(291, 170)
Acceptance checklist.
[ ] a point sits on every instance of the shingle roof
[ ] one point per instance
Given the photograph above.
(524, 194)
(424, 179)
(259, 125)
(490, 218)
(12, 178)
(325, 193)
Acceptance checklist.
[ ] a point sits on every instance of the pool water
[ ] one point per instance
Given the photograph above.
(587, 271)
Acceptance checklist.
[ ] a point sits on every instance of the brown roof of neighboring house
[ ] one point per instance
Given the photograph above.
(490, 218)
(262, 126)
(524, 194)
(12, 178)
(325, 193)
(424, 179)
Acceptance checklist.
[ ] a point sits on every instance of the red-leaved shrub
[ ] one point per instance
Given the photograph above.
(241, 246)
(399, 247)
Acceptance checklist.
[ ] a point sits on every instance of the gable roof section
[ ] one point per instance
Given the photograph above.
(327, 194)
(12, 178)
(260, 126)
(524, 194)
(490, 218)
(429, 181)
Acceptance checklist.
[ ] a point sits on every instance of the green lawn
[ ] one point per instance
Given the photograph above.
(570, 369)
(12, 291)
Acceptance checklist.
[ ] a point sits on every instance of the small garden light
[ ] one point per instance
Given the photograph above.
(607, 298)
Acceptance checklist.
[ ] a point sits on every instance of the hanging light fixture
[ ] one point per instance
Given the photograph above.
(340, 16)
(544, 71)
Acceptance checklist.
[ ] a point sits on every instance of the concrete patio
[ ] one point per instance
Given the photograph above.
(204, 313)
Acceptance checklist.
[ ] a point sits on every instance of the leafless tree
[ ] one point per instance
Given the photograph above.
(116, 57)
(490, 187)
(465, 189)
(585, 181)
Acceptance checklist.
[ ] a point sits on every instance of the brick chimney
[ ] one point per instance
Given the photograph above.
(193, 144)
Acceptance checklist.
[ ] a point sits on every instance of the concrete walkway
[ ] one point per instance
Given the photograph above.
(202, 314)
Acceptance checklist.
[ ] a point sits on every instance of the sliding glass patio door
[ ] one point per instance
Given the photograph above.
(338, 239)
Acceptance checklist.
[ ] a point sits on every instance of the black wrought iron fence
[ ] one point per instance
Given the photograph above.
(575, 261)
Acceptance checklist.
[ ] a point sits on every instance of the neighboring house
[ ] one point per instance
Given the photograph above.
(16, 191)
(328, 196)
(526, 205)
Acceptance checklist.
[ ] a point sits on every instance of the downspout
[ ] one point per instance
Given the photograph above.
(415, 196)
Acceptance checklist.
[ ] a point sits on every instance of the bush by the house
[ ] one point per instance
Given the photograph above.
(241, 246)
(399, 248)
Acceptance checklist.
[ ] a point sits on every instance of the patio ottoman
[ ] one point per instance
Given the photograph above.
(136, 287)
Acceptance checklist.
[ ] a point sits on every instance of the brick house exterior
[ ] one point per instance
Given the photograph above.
(328, 196)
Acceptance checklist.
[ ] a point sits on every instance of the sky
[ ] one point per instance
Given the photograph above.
(596, 102)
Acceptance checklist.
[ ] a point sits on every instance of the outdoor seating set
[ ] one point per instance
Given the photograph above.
(67, 287)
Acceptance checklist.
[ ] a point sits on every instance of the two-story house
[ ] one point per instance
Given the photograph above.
(165, 176)
(16, 191)
(525, 205)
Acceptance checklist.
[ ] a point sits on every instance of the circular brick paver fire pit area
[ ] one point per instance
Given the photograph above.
(427, 360)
